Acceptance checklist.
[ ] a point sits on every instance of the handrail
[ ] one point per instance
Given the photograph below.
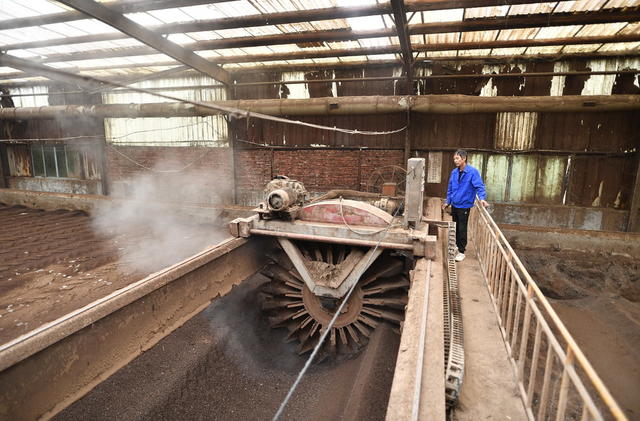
(511, 287)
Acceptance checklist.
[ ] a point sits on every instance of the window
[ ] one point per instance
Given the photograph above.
(51, 161)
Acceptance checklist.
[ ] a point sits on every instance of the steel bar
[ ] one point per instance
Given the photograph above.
(533, 371)
(538, 308)
(334, 240)
(544, 394)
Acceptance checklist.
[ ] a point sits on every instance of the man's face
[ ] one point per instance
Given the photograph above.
(458, 160)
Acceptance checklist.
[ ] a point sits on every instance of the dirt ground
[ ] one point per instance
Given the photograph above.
(53, 262)
(598, 298)
(227, 364)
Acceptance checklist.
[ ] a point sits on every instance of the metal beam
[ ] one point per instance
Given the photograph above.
(154, 40)
(223, 23)
(394, 49)
(401, 26)
(311, 67)
(120, 6)
(528, 21)
(267, 19)
(38, 69)
(342, 80)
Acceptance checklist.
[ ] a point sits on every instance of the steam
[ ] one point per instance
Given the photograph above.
(161, 219)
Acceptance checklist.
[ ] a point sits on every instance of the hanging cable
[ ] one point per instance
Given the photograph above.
(235, 112)
(328, 328)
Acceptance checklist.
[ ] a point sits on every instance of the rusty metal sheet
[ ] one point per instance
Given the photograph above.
(522, 185)
(601, 181)
(470, 86)
(433, 131)
(605, 131)
(496, 177)
(516, 131)
(549, 182)
(19, 159)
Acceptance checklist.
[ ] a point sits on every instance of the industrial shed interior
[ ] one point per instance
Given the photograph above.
(234, 209)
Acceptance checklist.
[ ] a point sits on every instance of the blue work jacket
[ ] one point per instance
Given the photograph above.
(464, 187)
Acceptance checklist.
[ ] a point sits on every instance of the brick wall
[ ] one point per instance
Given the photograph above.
(181, 174)
(319, 169)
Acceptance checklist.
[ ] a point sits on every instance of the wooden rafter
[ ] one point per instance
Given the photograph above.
(156, 41)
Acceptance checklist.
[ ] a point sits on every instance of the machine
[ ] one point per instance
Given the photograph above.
(332, 243)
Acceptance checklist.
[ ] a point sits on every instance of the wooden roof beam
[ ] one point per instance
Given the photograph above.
(156, 41)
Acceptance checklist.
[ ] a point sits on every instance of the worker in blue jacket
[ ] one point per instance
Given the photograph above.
(465, 183)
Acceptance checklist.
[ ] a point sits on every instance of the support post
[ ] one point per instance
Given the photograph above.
(414, 192)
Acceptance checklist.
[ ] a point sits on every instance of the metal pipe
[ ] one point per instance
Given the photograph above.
(333, 240)
(438, 104)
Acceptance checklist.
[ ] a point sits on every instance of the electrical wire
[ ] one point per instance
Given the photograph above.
(231, 111)
(160, 171)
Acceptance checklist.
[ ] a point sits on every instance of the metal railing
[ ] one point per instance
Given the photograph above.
(555, 379)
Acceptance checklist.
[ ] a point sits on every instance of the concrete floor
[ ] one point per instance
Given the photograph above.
(489, 390)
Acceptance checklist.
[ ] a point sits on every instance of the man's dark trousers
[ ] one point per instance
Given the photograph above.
(461, 218)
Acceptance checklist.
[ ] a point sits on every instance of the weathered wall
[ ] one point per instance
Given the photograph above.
(83, 138)
(585, 159)
(183, 174)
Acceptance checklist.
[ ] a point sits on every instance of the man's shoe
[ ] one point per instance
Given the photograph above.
(460, 257)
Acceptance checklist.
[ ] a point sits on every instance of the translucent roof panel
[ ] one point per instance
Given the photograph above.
(120, 47)
(621, 46)
(478, 36)
(483, 12)
(19, 9)
(580, 48)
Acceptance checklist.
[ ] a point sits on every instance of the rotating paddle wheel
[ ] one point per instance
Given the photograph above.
(380, 295)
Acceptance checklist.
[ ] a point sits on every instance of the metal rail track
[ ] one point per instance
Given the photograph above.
(453, 333)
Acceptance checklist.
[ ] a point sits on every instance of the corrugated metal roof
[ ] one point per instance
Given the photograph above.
(17, 8)
(174, 131)
(516, 131)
